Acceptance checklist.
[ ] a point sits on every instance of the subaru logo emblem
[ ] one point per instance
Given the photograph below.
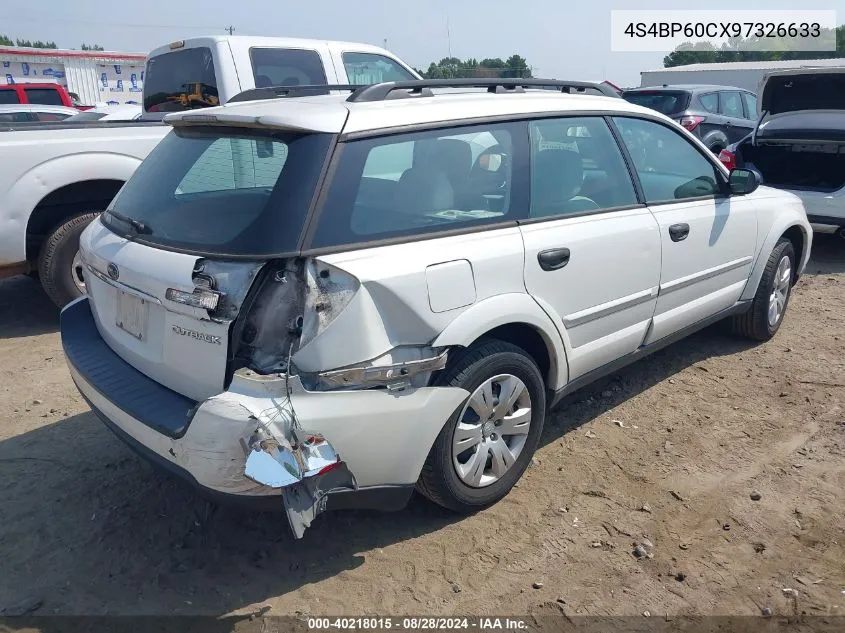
(113, 271)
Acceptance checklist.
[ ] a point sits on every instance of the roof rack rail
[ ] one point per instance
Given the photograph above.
(275, 92)
(422, 88)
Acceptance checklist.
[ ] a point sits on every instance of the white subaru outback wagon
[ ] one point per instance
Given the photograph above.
(329, 300)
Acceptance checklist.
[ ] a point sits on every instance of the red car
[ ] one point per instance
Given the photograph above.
(42, 94)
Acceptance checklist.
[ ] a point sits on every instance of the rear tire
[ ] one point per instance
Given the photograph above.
(59, 273)
(762, 321)
(449, 477)
(716, 149)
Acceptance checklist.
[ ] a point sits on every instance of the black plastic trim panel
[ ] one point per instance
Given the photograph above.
(139, 396)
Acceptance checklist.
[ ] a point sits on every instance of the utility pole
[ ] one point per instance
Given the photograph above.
(230, 29)
(385, 43)
(448, 38)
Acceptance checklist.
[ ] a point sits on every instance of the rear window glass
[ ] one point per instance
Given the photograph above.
(181, 80)
(15, 117)
(371, 68)
(51, 116)
(8, 96)
(287, 67)
(421, 182)
(43, 96)
(664, 101)
(230, 193)
(88, 116)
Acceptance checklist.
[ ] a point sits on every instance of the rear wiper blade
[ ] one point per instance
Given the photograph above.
(139, 227)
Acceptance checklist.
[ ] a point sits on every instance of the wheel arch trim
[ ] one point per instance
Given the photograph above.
(511, 309)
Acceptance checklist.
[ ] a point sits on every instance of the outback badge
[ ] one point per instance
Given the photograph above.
(199, 336)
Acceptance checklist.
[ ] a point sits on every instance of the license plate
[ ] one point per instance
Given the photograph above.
(131, 315)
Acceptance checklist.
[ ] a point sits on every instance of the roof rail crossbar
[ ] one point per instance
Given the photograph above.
(275, 92)
(418, 88)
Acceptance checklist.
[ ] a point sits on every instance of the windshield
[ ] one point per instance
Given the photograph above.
(222, 192)
(181, 80)
(664, 101)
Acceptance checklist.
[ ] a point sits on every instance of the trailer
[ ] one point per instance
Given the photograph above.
(737, 74)
(90, 76)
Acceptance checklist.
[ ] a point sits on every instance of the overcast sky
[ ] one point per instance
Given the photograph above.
(559, 38)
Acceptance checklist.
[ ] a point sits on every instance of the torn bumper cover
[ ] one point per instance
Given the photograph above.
(307, 471)
(265, 437)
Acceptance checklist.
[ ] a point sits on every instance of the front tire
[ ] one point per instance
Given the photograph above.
(762, 321)
(487, 444)
(59, 268)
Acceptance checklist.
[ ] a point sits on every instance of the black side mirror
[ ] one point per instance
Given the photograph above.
(743, 181)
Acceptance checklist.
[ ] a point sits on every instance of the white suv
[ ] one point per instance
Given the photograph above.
(335, 299)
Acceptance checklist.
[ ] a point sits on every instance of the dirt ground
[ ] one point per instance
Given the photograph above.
(669, 450)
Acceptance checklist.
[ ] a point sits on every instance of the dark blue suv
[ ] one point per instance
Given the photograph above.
(718, 115)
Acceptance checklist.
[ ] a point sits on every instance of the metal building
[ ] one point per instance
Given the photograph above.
(94, 76)
(739, 74)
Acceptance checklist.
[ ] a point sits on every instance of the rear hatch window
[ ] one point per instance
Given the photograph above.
(213, 191)
(667, 102)
(8, 96)
(181, 80)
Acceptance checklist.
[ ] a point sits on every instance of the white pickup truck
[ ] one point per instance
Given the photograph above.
(55, 178)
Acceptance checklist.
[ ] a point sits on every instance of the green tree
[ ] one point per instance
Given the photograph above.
(35, 44)
(748, 50)
(517, 66)
(91, 47)
(5, 40)
(454, 68)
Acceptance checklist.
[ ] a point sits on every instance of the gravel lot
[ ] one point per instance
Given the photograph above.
(666, 454)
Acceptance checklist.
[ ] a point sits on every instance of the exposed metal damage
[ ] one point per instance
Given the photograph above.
(293, 302)
(279, 454)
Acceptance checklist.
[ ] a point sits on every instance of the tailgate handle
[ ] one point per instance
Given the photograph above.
(553, 259)
(679, 232)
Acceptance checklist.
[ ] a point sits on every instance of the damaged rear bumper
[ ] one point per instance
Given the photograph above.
(266, 437)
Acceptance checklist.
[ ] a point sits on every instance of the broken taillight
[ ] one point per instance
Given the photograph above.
(330, 467)
(294, 303)
(328, 291)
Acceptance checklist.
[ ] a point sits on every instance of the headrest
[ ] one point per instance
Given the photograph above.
(557, 176)
(424, 189)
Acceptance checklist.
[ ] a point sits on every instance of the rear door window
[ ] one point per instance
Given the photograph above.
(43, 96)
(576, 167)
(710, 102)
(425, 182)
(371, 68)
(287, 67)
(9, 96)
(731, 104)
(180, 80)
(750, 104)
